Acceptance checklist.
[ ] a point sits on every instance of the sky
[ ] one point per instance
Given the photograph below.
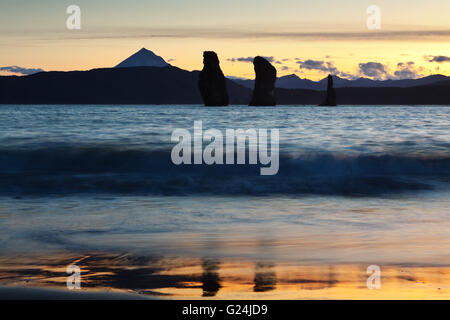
(308, 38)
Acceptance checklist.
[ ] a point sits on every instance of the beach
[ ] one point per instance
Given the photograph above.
(358, 186)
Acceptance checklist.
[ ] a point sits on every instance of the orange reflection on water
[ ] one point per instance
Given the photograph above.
(191, 278)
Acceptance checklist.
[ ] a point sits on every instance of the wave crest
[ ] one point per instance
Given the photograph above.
(70, 170)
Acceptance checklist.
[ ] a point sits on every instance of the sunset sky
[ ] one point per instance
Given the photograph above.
(308, 38)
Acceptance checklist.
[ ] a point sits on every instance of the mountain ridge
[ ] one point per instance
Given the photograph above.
(172, 85)
(130, 85)
(293, 81)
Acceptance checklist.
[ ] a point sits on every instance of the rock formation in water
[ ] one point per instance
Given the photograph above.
(331, 94)
(266, 75)
(212, 81)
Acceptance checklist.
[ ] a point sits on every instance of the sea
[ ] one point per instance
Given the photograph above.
(359, 188)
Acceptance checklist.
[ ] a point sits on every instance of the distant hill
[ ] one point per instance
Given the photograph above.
(138, 85)
(441, 83)
(143, 58)
(171, 85)
(420, 95)
(294, 82)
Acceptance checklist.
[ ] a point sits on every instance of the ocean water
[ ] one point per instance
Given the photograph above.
(357, 186)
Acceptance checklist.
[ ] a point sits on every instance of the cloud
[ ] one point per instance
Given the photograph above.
(408, 70)
(348, 76)
(250, 59)
(241, 59)
(197, 32)
(379, 71)
(20, 70)
(404, 64)
(375, 70)
(438, 59)
(322, 66)
(406, 73)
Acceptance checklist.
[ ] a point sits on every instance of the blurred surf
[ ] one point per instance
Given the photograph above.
(68, 170)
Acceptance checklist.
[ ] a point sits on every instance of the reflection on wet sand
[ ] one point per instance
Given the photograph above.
(265, 279)
(180, 278)
(210, 278)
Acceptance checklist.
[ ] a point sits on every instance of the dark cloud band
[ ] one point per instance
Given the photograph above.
(20, 70)
(438, 59)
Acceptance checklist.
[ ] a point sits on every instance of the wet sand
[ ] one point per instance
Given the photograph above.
(126, 276)
(30, 293)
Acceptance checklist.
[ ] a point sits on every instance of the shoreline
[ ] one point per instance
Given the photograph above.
(38, 293)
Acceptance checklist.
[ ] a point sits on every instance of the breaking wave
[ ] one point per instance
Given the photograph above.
(78, 170)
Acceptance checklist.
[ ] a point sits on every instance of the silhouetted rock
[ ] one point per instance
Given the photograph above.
(331, 93)
(266, 75)
(212, 81)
